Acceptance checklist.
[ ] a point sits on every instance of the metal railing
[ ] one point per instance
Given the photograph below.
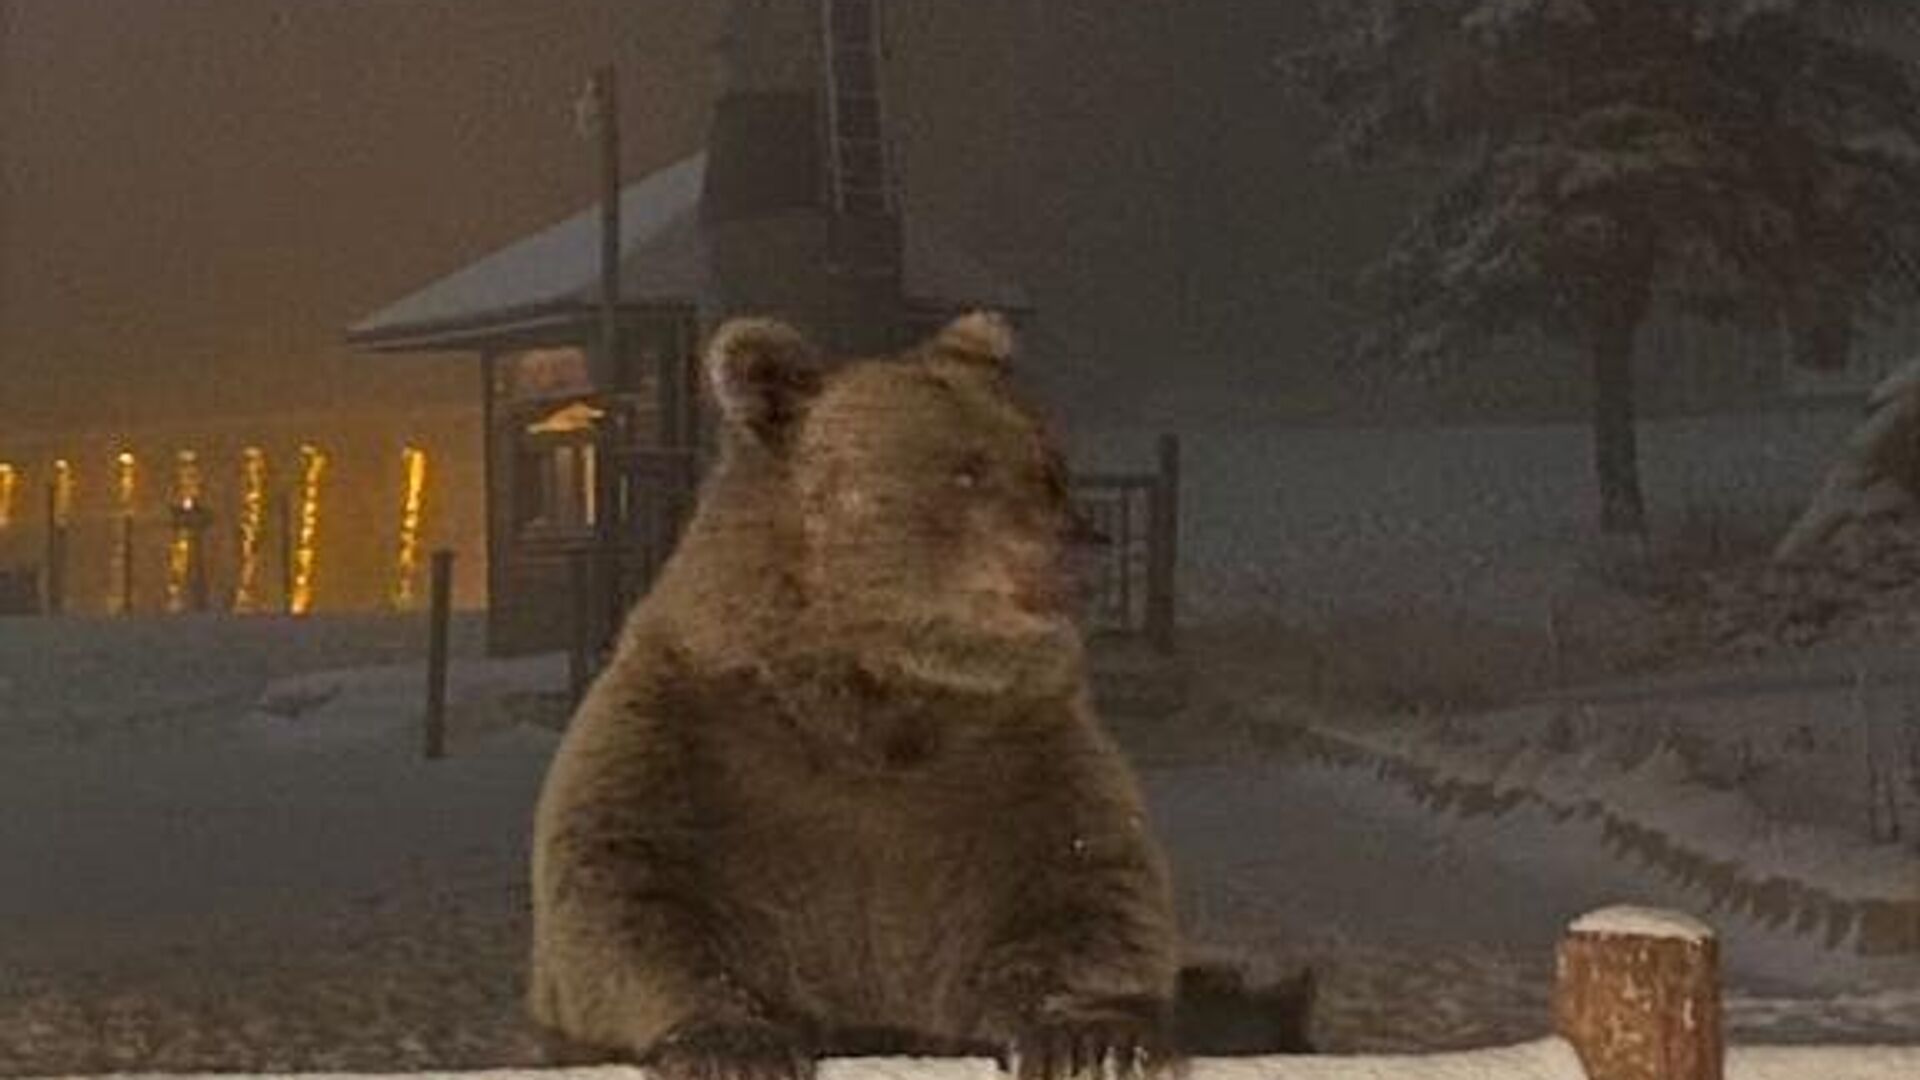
(1126, 575)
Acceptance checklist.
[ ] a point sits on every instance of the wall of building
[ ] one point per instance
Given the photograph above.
(357, 532)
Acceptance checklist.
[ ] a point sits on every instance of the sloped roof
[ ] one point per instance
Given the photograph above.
(556, 272)
(558, 268)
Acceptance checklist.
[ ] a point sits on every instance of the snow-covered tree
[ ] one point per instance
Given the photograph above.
(1755, 159)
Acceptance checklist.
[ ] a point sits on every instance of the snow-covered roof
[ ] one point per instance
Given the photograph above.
(556, 271)
(558, 268)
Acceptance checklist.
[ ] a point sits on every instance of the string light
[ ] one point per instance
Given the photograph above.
(125, 487)
(253, 513)
(181, 545)
(9, 490)
(313, 467)
(408, 560)
(62, 492)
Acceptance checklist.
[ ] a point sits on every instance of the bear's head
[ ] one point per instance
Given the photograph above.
(925, 505)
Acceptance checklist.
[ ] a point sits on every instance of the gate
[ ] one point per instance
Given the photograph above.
(1124, 565)
(655, 489)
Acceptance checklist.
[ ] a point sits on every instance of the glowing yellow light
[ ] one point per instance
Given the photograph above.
(181, 551)
(187, 486)
(313, 466)
(125, 479)
(62, 492)
(415, 461)
(9, 490)
(253, 512)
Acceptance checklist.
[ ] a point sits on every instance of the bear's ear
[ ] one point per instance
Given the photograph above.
(761, 372)
(980, 337)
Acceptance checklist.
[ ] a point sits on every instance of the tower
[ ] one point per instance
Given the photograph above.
(800, 202)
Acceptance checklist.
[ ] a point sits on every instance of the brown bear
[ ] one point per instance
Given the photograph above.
(840, 788)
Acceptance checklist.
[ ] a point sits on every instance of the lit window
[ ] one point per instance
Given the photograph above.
(555, 470)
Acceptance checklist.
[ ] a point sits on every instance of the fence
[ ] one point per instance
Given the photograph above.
(1129, 569)
(1636, 997)
(1127, 564)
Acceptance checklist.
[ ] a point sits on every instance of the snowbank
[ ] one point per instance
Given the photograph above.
(359, 706)
(1820, 880)
(1491, 519)
(1546, 1059)
(1635, 921)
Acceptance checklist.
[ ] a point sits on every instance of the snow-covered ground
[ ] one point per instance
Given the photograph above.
(287, 881)
(1303, 521)
(220, 845)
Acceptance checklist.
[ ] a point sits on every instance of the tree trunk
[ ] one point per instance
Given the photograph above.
(1616, 453)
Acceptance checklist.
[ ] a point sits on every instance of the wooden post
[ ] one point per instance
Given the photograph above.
(580, 615)
(1556, 648)
(194, 521)
(497, 502)
(609, 435)
(1637, 993)
(126, 564)
(442, 613)
(56, 579)
(283, 509)
(1163, 544)
(606, 103)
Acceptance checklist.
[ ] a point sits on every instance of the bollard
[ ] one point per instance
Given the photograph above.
(580, 616)
(55, 581)
(1163, 544)
(440, 615)
(283, 515)
(1637, 993)
(126, 564)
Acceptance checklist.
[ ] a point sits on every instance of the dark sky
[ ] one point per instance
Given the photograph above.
(202, 193)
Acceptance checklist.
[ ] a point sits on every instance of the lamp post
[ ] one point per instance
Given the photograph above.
(599, 114)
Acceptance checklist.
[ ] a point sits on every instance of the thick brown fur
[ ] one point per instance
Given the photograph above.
(840, 788)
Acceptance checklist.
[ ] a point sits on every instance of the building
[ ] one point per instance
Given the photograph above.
(809, 228)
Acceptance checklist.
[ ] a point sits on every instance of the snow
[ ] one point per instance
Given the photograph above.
(269, 770)
(1544, 1059)
(1822, 1063)
(663, 259)
(1554, 835)
(1631, 921)
(335, 709)
(1491, 521)
(659, 261)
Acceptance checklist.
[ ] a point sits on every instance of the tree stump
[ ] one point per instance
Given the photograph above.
(1637, 993)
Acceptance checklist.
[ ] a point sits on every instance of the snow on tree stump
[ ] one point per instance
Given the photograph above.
(1637, 993)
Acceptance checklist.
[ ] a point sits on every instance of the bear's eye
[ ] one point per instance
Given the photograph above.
(970, 473)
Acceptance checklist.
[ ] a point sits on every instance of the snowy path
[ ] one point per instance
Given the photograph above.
(1334, 853)
(1333, 856)
(138, 848)
(336, 852)
(109, 859)
(1828, 669)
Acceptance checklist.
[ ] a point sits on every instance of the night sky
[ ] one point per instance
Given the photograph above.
(201, 194)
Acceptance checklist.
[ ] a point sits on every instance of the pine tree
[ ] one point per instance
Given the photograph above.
(1747, 159)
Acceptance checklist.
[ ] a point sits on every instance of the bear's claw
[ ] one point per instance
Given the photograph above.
(734, 1051)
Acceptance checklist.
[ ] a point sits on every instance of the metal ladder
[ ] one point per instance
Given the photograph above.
(861, 192)
(861, 173)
